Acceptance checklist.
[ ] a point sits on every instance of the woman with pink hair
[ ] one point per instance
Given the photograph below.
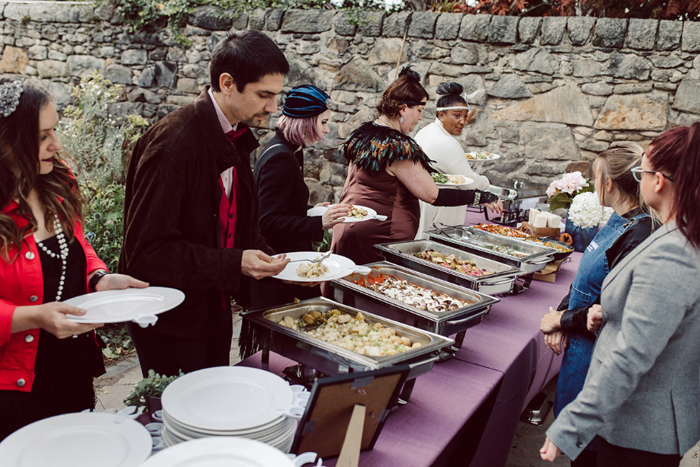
(282, 193)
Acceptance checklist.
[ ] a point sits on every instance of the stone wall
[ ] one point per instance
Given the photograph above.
(558, 90)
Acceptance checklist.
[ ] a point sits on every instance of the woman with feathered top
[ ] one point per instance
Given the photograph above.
(389, 173)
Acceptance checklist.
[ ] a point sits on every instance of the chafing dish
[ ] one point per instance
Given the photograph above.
(500, 281)
(475, 240)
(446, 323)
(332, 359)
(517, 202)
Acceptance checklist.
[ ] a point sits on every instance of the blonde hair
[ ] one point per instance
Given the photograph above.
(615, 164)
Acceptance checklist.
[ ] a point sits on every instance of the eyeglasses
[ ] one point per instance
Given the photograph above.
(637, 173)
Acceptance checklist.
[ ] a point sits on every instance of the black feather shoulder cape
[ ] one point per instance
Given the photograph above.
(373, 146)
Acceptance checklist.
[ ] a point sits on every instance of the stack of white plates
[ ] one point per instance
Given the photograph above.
(229, 401)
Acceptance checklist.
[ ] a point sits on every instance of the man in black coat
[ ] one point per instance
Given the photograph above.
(191, 210)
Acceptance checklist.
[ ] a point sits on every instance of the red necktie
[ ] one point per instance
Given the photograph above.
(233, 135)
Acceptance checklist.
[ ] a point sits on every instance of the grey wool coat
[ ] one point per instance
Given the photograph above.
(643, 387)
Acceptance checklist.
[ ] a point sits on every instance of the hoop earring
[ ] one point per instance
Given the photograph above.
(401, 119)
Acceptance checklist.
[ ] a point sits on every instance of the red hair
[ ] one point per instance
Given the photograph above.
(298, 130)
(677, 154)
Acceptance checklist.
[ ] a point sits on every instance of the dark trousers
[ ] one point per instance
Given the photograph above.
(167, 355)
(610, 455)
(587, 458)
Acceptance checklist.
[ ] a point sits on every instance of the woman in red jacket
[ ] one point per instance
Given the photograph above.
(44, 259)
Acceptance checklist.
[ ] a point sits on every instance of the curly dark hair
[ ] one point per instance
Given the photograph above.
(405, 91)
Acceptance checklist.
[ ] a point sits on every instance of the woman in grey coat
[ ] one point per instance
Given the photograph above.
(642, 392)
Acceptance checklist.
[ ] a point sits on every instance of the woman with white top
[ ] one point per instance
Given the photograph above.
(438, 141)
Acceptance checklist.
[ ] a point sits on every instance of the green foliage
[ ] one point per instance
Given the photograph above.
(96, 139)
(564, 200)
(645, 9)
(118, 340)
(153, 386)
(153, 15)
(104, 222)
(325, 244)
(98, 143)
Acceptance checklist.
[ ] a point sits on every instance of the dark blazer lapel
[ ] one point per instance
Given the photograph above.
(220, 148)
(663, 231)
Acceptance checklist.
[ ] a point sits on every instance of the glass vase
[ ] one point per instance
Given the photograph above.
(581, 236)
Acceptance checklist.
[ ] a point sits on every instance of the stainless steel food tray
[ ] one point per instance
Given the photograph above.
(474, 240)
(501, 281)
(332, 359)
(445, 323)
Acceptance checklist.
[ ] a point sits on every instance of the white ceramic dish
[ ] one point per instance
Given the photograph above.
(215, 452)
(226, 398)
(466, 182)
(338, 266)
(116, 306)
(493, 157)
(320, 210)
(77, 440)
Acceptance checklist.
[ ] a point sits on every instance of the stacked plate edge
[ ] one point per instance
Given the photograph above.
(228, 402)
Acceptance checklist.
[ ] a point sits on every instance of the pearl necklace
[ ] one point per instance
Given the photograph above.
(63, 254)
(389, 124)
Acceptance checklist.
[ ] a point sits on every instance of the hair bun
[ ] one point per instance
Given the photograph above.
(448, 89)
(407, 73)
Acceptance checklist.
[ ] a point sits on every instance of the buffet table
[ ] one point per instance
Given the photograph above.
(465, 411)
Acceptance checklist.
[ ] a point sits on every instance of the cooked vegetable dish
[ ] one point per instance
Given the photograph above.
(351, 333)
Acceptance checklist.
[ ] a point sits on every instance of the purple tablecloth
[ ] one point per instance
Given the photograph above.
(503, 363)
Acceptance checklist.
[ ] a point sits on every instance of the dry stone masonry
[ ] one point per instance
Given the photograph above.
(557, 90)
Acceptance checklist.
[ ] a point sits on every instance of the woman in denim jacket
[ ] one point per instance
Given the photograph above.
(627, 227)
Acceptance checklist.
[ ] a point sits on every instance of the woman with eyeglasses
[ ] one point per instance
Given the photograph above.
(389, 173)
(641, 396)
(564, 329)
(439, 142)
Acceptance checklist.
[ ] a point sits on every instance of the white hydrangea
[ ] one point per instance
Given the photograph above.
(586, 211)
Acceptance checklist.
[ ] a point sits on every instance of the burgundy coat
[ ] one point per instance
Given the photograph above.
(171, 214)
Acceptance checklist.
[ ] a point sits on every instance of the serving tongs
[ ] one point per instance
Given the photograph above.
(466, 234)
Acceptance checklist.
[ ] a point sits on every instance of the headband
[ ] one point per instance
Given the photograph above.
(9, 97)
(466, 99)
(306, 101)
(455, 107)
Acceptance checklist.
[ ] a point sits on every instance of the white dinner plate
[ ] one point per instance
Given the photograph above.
(466, 182)
(338, 266)
(198, 432)
(227, 398)
(116, 306)
(77, 439)
(493, 157)
(220, 452)
(320, 210)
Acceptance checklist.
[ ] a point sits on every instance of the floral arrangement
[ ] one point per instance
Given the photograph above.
(561, 192)
(586, 211)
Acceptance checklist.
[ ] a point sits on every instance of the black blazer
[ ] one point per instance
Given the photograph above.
(283, 197)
